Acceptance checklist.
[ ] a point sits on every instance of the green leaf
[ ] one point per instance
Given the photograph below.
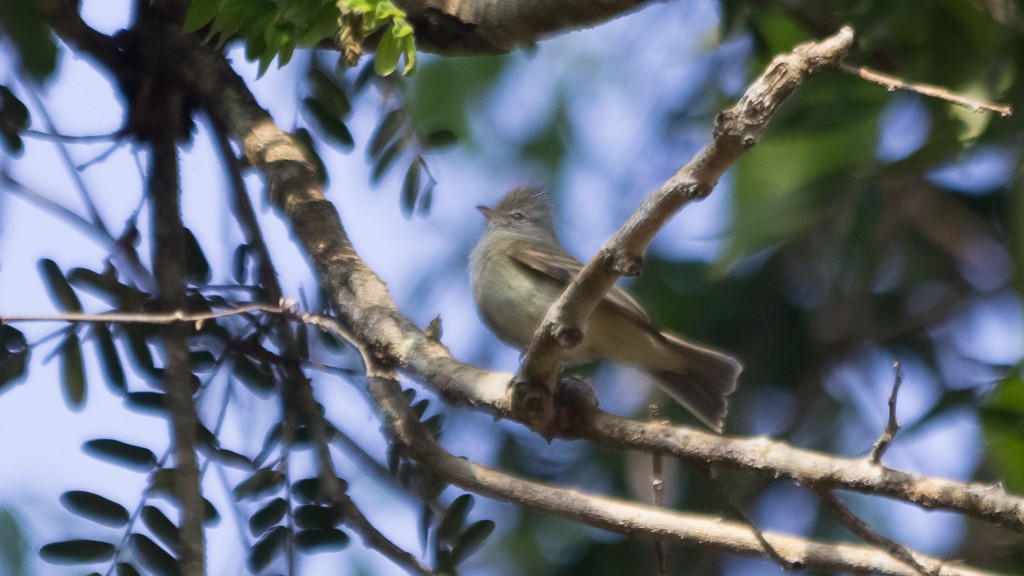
(13, 119)
(1002, 419)
(312, 541)
(117, 452)
(314, 517)
(263, 482)
(57, 286)
(387, 159)
(427, 196)
(14, 547)
(200, 13)
(147, 402)
(386, 131)
(330, 93)
(126, 569)
(330, 125)
(95, 508)
(471, 540)
(388, 51)
(309, 147)
(240, 263)
(107, 287)
(411, 186)
(257, 379)
(420, 408)
(197, 267)
(77, 552)
(323, 25)
(161, 526)
(14, 355)
(434, 424)
(162, 482)
(112, 366)
(154, 558)
(438, 139)
(13, 109)
(231, 458)
(138, 349)
(72, 371)
(267, 516)
(267, 548)
(35, 46)
(454, 517)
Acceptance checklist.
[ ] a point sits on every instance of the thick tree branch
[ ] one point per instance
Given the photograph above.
(486, 391)
(489, 26)
(623, 517)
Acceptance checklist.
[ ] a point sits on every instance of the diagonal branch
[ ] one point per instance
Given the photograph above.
(863, 530)
(736, 131)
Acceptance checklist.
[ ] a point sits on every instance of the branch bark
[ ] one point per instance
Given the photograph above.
(169, 250)
(392, 342)
(736, 131)
(638, 520)
(493, 27)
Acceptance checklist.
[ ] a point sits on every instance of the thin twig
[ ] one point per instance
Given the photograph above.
(658, 489)
(865, 532)
(69, 164)
(71, 139)
(57, 209)
(174, 317)
(893, 425)
(711, 473)
(893, 83)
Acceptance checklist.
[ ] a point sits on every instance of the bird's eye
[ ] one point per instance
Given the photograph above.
(517, 216)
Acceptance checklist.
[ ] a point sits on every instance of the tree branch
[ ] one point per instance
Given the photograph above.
(865, 532)
(736, 131)
(361, 299)
(619, 516)
(391, 341)
(893, 83)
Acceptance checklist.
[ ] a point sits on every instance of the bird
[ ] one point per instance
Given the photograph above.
(519, 268)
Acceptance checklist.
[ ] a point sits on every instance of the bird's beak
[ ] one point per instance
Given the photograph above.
(488, 213)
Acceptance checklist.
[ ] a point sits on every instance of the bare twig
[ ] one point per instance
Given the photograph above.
(83, 190)
(892, 425)
(737, 511)
(174, 317)
(737, 130)
(864, 531)
(893, 83)
(658, 490)
(71, 139)
(334, 492)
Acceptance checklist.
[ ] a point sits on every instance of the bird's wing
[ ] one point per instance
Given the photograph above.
(563, 267)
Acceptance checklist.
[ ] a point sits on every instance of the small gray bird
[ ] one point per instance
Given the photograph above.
(518, 270)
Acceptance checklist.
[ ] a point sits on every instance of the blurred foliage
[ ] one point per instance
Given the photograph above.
(274, 29)
(838, 258)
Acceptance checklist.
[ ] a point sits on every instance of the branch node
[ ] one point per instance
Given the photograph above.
(533, 403)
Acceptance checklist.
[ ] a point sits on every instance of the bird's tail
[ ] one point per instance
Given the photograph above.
(701, 380)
